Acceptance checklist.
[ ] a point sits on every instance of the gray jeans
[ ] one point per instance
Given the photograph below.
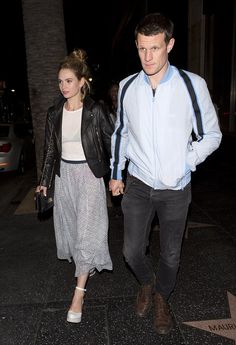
(139, 204)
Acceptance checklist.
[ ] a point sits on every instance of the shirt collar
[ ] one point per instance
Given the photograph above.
(166, 76)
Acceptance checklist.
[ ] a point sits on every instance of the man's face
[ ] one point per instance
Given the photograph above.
(153, 52)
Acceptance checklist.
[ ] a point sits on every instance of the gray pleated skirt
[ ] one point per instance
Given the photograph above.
(81, 219)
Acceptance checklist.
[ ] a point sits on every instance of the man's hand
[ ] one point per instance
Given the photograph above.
(116, 187)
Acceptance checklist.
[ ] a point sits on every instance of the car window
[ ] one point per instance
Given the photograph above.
(4, 131)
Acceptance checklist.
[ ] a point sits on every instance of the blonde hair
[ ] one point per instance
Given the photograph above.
(77, 62)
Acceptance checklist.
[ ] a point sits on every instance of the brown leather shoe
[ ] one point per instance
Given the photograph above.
(144, 300)
(163, 321)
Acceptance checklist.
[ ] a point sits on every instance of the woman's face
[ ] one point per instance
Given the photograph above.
(114, 92)
(69, 84)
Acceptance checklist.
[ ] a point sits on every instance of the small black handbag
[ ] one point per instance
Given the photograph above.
(43, 203)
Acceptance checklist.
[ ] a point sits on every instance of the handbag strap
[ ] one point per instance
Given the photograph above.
(44, 164)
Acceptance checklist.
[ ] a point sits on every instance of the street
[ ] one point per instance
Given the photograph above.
(13, 189)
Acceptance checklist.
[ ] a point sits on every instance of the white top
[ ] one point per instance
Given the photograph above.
(71, 135)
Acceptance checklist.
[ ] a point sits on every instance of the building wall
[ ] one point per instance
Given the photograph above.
(211, 52)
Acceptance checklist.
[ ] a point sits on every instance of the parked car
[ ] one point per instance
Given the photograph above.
(16, 146)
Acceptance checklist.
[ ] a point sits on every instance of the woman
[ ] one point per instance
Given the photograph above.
(77, 150)
(112, 101)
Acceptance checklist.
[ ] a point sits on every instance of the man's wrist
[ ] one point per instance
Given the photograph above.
(117, 176)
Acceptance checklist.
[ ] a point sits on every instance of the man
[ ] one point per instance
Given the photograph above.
(154, 133)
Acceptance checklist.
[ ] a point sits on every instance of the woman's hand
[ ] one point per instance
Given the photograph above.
(41, 189)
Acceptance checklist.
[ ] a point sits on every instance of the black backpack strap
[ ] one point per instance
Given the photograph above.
(125, 87)
(118, 136)
(194, 103)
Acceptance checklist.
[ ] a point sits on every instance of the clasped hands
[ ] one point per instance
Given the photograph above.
(116, 187)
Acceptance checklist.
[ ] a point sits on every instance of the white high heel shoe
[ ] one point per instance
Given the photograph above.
(72, 316)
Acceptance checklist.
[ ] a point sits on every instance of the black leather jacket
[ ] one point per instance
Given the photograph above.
(96, 133)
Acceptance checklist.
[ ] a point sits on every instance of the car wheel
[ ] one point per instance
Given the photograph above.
(21, 166)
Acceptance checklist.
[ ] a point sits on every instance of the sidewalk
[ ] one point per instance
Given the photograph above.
(36, 287)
